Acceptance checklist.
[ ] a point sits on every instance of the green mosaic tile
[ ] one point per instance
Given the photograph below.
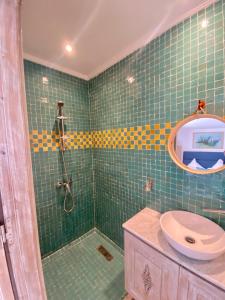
(56, 228)
(171, 72)
(78, 271)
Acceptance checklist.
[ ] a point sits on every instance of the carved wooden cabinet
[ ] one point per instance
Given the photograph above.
(149, 275)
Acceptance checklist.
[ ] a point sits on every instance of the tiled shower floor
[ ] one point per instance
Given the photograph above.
(79, 272)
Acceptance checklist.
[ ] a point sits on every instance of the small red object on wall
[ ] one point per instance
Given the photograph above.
(201, 108)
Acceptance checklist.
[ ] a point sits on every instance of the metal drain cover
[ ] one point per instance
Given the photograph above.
(105, 252)
(189, 239)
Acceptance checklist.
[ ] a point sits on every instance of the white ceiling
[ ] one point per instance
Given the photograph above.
(102, 32)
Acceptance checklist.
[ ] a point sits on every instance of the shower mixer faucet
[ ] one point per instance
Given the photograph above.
(64, 184)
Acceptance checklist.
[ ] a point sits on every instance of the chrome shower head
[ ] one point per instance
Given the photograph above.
(60, 103)
(60, 106)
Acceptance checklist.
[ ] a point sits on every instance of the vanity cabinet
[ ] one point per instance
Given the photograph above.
(149, 275)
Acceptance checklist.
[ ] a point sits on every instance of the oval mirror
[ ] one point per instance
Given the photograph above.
(197, 144)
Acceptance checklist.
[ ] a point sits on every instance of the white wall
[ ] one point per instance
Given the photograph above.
(184, 140)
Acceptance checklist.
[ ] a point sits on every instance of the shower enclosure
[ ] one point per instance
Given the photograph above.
(68, 273)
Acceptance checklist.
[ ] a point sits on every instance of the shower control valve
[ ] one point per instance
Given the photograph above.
(64, 184)
(59, 184)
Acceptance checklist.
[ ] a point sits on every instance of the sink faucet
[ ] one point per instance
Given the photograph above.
(215, 211)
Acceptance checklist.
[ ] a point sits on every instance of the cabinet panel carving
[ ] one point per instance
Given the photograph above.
(147, 279)
(148, 274)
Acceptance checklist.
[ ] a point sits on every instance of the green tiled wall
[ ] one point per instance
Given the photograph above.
(57, 228)
(173, 71)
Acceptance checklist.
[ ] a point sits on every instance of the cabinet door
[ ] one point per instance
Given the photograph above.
(149, 275)
(191, 287)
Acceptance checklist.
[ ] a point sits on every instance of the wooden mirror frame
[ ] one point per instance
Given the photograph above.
(172, 137)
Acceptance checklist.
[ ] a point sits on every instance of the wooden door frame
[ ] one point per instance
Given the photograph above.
(16, 179)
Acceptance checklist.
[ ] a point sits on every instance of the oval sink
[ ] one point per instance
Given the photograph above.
(193, 235)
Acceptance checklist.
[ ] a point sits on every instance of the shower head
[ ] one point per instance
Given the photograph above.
(60, 108)
(60, 104)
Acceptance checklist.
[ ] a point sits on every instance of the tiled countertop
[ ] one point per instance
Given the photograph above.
(145, 225)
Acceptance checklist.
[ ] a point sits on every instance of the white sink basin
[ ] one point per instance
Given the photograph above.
(193, 235)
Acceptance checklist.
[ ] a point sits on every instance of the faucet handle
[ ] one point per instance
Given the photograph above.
(59, 184)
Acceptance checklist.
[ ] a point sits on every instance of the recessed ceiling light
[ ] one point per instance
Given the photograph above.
(130, 79)
(68, 48)
(204, 23)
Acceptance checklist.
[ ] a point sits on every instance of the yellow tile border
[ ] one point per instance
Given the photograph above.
(145, 137)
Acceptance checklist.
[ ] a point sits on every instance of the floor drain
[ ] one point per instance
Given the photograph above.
(105, 253)
(190, 240)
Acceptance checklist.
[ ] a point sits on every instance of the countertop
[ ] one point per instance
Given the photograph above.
(145, 226)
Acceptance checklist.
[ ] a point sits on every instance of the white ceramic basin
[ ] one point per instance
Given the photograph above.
(193, 235)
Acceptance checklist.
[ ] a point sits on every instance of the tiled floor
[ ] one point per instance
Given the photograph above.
(79, 272)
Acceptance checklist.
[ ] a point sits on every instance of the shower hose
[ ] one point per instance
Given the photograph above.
(67, 189)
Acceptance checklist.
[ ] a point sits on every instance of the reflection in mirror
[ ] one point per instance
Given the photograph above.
(199, 144)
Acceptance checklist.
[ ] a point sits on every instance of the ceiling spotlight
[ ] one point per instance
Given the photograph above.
(204, 23)
(68, 48)
(130, 79)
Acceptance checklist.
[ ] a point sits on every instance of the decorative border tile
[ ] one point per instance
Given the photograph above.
(144, 137)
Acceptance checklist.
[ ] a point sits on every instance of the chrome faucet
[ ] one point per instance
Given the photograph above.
(215, 211)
